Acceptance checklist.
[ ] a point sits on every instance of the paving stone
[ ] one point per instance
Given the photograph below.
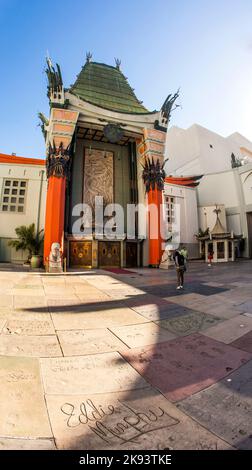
(142, 334)
(82, 342)
(29, 327)
(244, 342)
(214, 284)
(24, 301)
(36, 314)
(135, 420)
(190, 323)
(226, 408)
(192, 287)
(22, 407)
(159, 309)
(155, 309)
(97, 296)
(27, 292)
(31, 283)
(98, 373)
(6, 301)
(220, 309)
(2, 323)
(247, 306)
(242, 283)
(97, 316)
(31, 346)
(58, 304)
(121, 294)
(59, 291)
(26, 444)
(88, 300)
(183, 366)
(230, 330)
(238, 300)
(187, 299)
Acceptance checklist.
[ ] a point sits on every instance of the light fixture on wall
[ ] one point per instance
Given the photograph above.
(113, 133)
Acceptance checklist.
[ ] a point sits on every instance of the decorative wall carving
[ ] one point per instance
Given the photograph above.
(98, 176)
(58, 161)
(153, 174)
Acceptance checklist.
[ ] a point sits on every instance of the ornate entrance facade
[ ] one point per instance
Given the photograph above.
(80, 254)
(109, 254)
(99, 138)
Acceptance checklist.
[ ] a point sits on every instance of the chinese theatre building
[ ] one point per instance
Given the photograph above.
(101, 141)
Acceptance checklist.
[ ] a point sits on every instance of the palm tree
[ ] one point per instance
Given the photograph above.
(28, 240)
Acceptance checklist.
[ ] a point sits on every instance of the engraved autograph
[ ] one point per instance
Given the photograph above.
(121, 421)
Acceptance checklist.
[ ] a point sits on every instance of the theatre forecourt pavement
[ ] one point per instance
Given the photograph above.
(120, 359)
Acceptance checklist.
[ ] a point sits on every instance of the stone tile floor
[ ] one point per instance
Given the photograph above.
(102, 360)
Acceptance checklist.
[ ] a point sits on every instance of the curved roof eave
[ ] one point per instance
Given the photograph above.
(111, 109)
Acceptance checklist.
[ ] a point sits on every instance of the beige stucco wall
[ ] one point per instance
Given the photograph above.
(218, 188)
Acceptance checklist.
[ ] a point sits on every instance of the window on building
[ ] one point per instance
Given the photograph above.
(169, 209)
(13, 195)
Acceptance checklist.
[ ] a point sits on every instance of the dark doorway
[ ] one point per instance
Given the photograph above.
(109, 254)
(249, 221)
(131, 255)
(81, 254)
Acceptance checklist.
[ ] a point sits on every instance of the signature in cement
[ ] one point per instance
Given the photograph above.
(121, 421)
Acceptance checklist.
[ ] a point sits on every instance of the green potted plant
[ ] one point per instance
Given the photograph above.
(30, 241)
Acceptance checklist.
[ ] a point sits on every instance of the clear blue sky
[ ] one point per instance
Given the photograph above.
(202, 46)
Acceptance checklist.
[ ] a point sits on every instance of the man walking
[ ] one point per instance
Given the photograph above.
(179, 261)
(184, 252)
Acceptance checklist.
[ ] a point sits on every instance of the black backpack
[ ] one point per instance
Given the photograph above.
(181, 259)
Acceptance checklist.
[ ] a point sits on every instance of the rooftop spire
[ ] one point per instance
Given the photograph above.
(218, 228)
(89, 56)
(118, 63)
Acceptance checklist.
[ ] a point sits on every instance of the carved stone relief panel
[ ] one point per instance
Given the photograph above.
(98, 176)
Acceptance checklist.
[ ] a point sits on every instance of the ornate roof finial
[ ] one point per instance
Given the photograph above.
(217, 210)
(118, 63)
(55, 82)
(169, 106)
(88, 57)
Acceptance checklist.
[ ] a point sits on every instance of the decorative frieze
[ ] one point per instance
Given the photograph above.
(58, 161)
(153, 174)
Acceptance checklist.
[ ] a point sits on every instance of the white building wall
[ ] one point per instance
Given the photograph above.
(182, 149)
(233, 190)
(207, 217)
(10, 220)
(218, 188)
(197, 150)
(187, 200)
(191, 214)
(246, 179)
(234, 223)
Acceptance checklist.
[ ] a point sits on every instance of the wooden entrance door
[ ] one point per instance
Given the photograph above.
(131, 255)
(249, 221)
(81, 254)
(109, 254)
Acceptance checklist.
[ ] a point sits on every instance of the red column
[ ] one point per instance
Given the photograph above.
(55, 211)
(155, 244)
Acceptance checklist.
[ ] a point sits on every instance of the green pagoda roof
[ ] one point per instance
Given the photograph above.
(106, 86)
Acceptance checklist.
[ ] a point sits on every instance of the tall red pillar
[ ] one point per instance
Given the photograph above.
(151, 150)
(155, 243)
(55, 211)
